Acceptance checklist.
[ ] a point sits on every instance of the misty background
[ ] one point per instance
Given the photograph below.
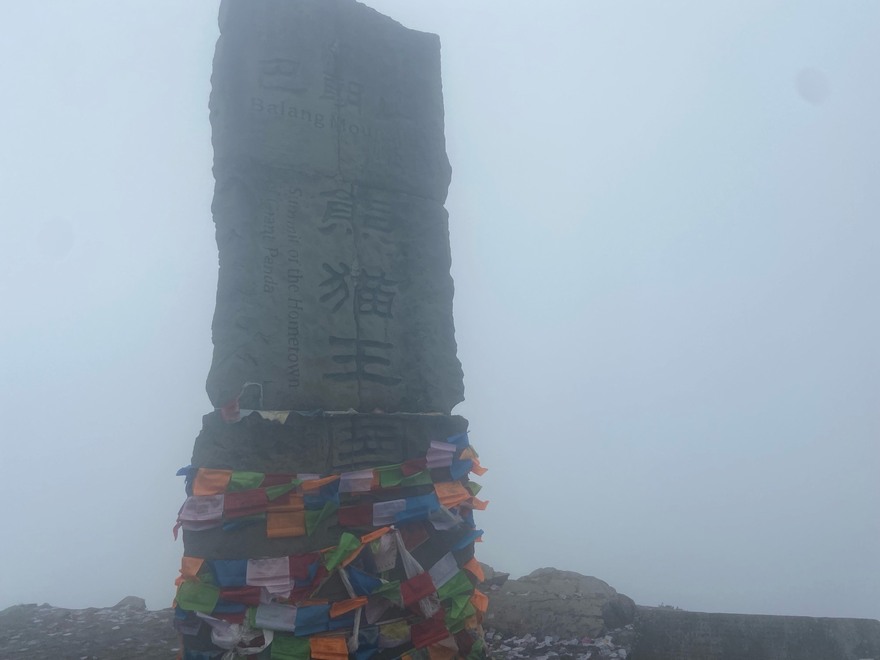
(664, 224)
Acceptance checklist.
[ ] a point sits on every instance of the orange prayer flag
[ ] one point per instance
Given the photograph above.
(480, 601)
(189, 569)
(328, 648)
(343, 606)
(313, 485)
(451, 493)
(473, 567)
(477, 468)
(472, 623)
(479, 505)
(284, 524)
(211, 482)
(372, 536)
(467, 452)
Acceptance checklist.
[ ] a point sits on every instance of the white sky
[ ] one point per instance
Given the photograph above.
(665, 256)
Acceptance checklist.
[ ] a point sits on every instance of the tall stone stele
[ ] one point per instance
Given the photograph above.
(334, 346)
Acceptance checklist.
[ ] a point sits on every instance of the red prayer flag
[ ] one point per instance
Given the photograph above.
(414, 534)
(299, 565)
(244, 503)
(416, 588)
(246, 595)
(276, 480)
(430, 631)
(414, 466)
(360, 515)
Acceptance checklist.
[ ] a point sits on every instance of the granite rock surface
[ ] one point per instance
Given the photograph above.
(563, 604)
(334, 288)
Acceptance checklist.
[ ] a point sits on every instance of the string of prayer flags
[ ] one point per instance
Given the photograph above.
(364, 595)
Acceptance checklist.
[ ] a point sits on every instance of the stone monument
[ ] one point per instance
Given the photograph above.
(329, 507)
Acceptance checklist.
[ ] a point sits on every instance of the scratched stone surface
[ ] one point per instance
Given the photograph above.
(334, 290)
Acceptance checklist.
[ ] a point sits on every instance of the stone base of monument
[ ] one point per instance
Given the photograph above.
(330, 536)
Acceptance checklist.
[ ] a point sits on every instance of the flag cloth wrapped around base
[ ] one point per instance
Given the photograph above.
(380, 565)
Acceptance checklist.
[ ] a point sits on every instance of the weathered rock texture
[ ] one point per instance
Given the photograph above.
(331, 172)
(108, 633)
(557, 603)
(666, 634)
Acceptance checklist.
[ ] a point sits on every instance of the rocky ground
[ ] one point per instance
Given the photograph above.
(615, 644)
(127, 631)
(547, 614)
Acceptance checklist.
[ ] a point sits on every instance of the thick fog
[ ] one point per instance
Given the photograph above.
(664, 224)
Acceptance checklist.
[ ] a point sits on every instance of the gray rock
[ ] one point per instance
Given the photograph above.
(131, 602)
(559, 603)
(331, 172)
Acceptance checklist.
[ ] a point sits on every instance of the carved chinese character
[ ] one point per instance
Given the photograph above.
(375, 294)
(361, 355)
(367, 441)
(377, 215)
(339, 211)
(338, 285)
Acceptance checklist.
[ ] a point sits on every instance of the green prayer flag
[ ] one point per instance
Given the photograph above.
(274, 492)
(391, 591)
(390, 475)
(197, 596)
(286, 647)
(315, 518)
(348, 543)
(477, 651)
(241, 480)
(418, 479)
(473, 487)
(458, 585)
(251, 616)
(459, 610)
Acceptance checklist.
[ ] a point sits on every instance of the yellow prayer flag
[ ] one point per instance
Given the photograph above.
(211, 482)
(285, 524)
(451, 493)
(328, 648)
(473, 567)
(480, 601)
(189, 569)
(344, 606)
